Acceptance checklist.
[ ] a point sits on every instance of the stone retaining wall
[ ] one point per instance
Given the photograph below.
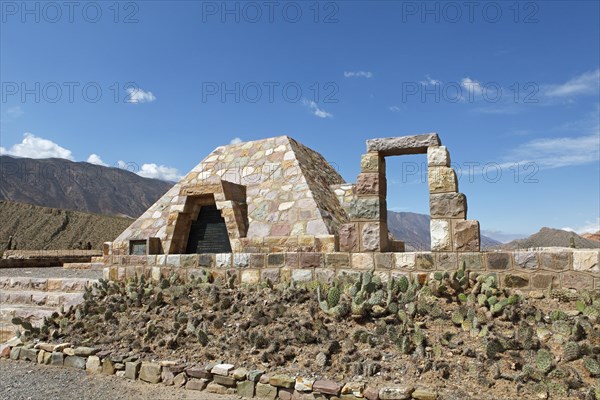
(212, 378)
(41, 262)
(28, 254)
(523, 269)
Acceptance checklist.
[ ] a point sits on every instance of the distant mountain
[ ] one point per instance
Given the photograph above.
(413, 229)
(81, 186)
(592, 236)
(42, 228)
(549, 237)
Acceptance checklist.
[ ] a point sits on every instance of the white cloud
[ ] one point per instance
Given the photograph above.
(316, 110)
(394, 108)
(358, 74)
(586, 83)
(430, 81)
(14, 112)
(558, 152)
(95, 159)
(37, 147)
(235, 140)
(587, 227)
(138, 95)
(159, 172)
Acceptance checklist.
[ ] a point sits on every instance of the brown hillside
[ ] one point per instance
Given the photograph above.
(548, 237)
(592, 236)
(42, 228)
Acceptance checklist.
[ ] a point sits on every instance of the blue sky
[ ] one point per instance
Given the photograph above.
(160, 84)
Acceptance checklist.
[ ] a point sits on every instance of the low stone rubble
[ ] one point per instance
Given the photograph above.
(218, 378)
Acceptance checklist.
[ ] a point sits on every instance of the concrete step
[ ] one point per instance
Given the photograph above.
(68, 285)
(34, 314)
(39, 298)
(99, 266)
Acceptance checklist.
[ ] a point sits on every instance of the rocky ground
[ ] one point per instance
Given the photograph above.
(23, 380)
(457, 334)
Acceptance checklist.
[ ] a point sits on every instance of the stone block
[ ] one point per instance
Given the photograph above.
(180, 380)
(404, 260)
(302, 275)
(326, 243)
(29, 355)
(371, 184)
(397, 146)
(362, 261)
(515, 281)
(250, 277)
(174, 260)
(199, 373)
(75, 362)
(196, 384)
(326, 275)
(441, 235)
(577, 281)
(241, 260)
(15, 353)
(472, 261)
(222, 369)
(257, 261)
(372, 162)
(438, 156)
(445, 261)
(448, 205)
(275, 260)
(348, 237)
(246, 389)
(266, 391)
(384, 260)
(225, 380)
(270, 274)
(304, 384)
(254, 375)
(372, 235)
(466, 235)
(337, 260)
(555, 260)
(57, 358)
(371, 393)
(93, 365)
(327, 387)
(424, 394)
(353, 388)
(223, 260)
(310, 260)
(292, 260)
(396, 393)
(542, 281)
(587, 261)
(206, 260)
(284, 381)
(424, 262)
(525, 259)
(149, 372)
(108, 367)
(442, 180)
(498, 261)
(366, 208)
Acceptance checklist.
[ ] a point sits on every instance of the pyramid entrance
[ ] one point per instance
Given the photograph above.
(208, 233)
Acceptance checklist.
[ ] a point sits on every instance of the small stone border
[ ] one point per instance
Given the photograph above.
(218, 378)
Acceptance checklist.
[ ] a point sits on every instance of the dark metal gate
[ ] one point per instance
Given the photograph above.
(208, 233)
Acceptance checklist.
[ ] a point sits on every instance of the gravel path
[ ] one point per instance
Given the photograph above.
(22, 380)
(51, 272)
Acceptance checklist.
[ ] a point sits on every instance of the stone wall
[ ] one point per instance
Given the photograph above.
(524, 269)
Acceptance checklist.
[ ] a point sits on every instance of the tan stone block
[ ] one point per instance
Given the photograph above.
(270, 274)
(526, 259)
(448, 205)
(371, 184)
(542, 281)
(441, 235)
(384, 260)
(371, 235)
(424, 262)
(442, 180)
(515, 281)
(292, 260)
(445, 261)
(404, 260)
(556, 260)
(325, 275)
(471, 261)
(348, 237)
(577, 280)
(337, 260)
(498, 261)
(362, 261)
(326, 244)
(438, 156)
(250, 277)
(586, 260)
(466, 235)
(372, 162)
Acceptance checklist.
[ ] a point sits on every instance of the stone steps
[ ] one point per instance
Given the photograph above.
(99, 266)
(32, 299)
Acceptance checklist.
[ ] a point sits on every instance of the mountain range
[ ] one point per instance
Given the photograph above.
(79, 201)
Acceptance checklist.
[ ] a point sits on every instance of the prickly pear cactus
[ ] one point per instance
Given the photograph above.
(571, 351)
(544, 361)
